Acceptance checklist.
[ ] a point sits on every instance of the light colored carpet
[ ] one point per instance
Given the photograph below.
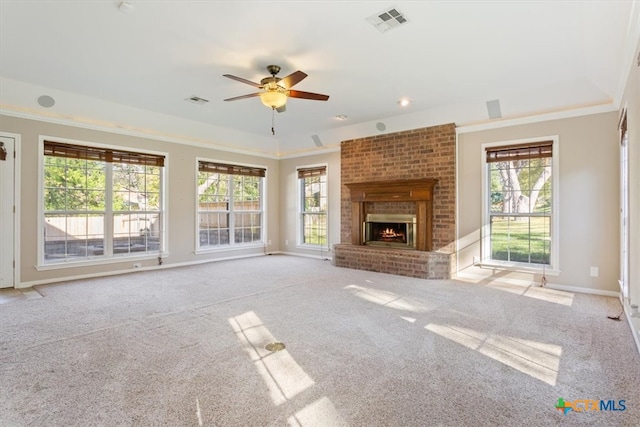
(186, 347)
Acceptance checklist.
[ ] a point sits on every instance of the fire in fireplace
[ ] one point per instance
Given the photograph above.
(395, 230)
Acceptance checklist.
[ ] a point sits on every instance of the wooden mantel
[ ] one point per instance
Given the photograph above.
(419, 191)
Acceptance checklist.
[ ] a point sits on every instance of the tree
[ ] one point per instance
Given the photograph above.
(72, 184)
(518, 185)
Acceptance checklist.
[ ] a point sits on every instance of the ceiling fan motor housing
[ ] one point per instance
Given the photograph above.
(273, 69)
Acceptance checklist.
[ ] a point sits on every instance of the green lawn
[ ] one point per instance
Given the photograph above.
(314, 238)
(520, 239)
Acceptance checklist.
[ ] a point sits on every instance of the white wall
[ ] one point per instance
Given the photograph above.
(589, 198)
(289, 203)
(180, 210)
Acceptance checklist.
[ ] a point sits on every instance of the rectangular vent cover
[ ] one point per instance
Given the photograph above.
(197, 100)
(387, 19)
(493, 108)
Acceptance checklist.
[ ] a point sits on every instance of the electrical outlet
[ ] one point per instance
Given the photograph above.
(269, 242)
(475, 260)
(286, 242)
(594, 272)
(137, 265)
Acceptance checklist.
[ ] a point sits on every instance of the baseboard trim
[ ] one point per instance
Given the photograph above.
(582, 290)
(528, 282)
(323, 257)
(33, 283)
(25, 285)
(634, 324)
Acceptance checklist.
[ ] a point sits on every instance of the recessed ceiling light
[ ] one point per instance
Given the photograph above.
(341, 117)
(404, 102)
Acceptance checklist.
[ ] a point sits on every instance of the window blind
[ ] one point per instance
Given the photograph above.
(310, 172)
(231, 169)
(506, 153)
(72, 151)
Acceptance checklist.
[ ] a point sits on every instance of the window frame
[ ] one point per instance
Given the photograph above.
(109, 257)
(485, 232)
(232, 245)
(624, 207)
(300, 208)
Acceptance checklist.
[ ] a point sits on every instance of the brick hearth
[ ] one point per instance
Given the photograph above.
(427, 153)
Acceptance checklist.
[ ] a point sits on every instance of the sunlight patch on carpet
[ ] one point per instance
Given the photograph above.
(520, 287)
(318, 413)
(282, 375)
(536, 359)
(388, 299)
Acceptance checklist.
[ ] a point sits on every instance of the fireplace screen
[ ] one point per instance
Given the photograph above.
(394, 230)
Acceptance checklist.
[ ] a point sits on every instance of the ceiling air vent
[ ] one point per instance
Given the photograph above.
(387, 19)
(197, 100)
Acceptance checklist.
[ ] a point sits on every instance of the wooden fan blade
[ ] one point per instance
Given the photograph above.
(251, 95)
(240, 79)
(308, 95)
(292, 79)
(282, 109)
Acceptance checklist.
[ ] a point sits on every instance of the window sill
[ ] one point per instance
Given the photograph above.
(97, 261)
(518, 268)
(216, 249)
(318, 248)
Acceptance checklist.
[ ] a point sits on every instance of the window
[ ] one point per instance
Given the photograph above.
(520, 213)
(100, 202)
(313, 205)
(229, 204)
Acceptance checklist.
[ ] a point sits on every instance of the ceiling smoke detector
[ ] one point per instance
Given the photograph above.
(387, 19)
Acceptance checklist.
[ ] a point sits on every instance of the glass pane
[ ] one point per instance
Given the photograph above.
(213, 188)
(55, 199)
(540, 240)
(95, 200)
(95, 235)
(213, 229)
(96, 176)
(519, 244)
(76, 200)
(497, 201)
(500, 238)
(246, 188)
(73, 236)
(136, 232)
(54, 176)
(521, 239)
(314, 229)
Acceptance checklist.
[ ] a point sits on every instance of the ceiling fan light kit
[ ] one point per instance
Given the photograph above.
(273, 99)
(276, 91)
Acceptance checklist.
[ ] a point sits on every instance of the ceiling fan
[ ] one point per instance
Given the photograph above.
(275, 90)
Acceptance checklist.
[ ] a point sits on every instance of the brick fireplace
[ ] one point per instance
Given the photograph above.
(409, 173)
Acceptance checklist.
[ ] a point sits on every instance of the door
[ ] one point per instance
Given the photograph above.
(7, 216)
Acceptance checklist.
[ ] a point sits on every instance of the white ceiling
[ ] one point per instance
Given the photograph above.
(132, 71)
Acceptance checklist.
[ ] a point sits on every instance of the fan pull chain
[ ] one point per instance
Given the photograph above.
(273, 120)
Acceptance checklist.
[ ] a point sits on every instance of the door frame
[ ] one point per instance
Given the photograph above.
(624, 207)
(16, 200)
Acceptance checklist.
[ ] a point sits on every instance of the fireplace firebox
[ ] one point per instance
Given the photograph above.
(419, 191)
(391, 230)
